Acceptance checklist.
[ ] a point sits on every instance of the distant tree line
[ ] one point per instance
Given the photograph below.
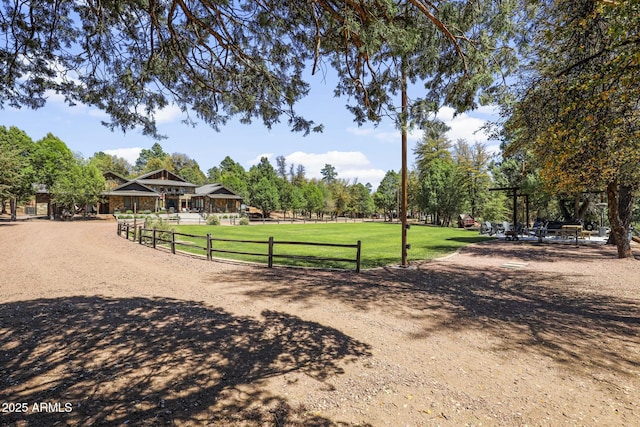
(448, 178)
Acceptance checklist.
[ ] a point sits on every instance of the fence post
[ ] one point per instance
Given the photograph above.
(119, 228)
(208, 246)
(358, 257)
(126, 230)
(173, 242)
(140, 234)
(271, 252)
(154, 238)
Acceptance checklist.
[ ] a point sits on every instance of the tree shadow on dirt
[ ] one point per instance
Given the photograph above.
(524, 310)
(546, 251)
(146, 361)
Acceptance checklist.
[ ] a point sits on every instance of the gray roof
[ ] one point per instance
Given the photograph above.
(224, 196)
(165, 182)
(148, 177)
(216, 191)
(132, 193)
(207, 188)
(132, 184)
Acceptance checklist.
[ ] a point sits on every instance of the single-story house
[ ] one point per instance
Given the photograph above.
(130, 196)
(213, 198)
(162, 189)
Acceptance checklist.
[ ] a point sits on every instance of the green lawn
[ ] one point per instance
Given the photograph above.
(380, 242)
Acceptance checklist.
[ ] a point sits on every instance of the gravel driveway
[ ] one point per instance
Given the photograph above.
(96, 330)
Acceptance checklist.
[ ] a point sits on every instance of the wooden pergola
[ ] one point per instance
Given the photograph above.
(514, 195)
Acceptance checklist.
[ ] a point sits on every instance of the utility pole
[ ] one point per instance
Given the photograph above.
(403, 126)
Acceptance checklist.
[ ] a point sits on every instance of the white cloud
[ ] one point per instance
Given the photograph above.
(369, 175)
(468, 127)
(256, 159)
(391, 136)
(463, 126)
(489, 110)
(316, 161)
(168, 114)
(129, 154)
(349, 165)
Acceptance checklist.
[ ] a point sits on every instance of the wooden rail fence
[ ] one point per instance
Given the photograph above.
(151, 237)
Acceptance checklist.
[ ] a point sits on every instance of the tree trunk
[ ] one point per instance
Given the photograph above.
(13, 207)
(620, 208)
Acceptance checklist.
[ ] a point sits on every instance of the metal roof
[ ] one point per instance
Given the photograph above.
(208, 189)
(133, 193)
(165, 182)
(162, 172)
(224, 196)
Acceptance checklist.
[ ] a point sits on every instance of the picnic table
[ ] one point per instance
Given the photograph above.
(570, 230)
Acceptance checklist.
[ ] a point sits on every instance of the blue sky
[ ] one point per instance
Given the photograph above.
(365, 152)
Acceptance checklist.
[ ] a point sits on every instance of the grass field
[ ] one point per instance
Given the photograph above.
(380, 242)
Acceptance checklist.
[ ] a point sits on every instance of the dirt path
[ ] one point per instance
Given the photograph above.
(95, 330)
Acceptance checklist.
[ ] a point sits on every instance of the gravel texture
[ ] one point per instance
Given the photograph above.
(97, 330)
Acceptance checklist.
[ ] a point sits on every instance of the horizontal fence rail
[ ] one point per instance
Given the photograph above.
(151, 237)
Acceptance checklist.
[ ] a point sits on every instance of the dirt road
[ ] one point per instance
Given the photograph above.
(96, 330)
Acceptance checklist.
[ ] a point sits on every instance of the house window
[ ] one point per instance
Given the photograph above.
(130, 202)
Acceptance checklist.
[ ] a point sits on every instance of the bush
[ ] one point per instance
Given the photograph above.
(160, 225)
(244, 221)
(213, 220)
(129, 212)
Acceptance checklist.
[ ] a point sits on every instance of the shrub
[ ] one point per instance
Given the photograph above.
(129, 212)
(160, 225)
(213, 220)
(244, 221)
